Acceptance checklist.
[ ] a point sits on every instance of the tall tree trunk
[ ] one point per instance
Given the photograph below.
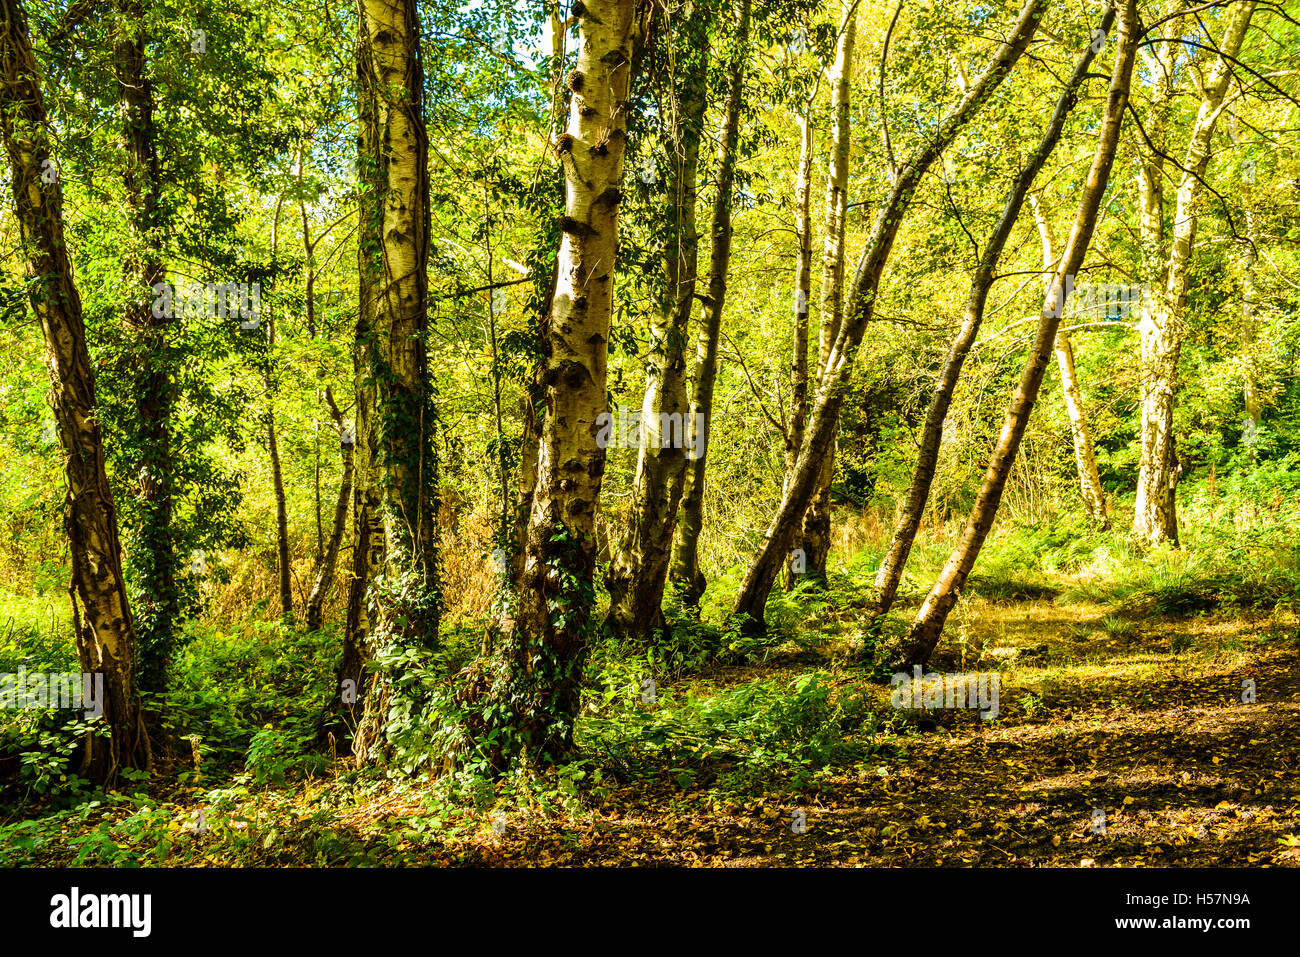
(393, 254)
(1250, 322)
(771, 556)
(918, 493)
(1155, 517)
(538, 695)
(929, 622)
(1085, 458)
(150, 538)
(101, 612)
(802, 290)
(686, 574)
(273, 445)
(326, 563)
(815, 537)
(639, 568)
(281, 515)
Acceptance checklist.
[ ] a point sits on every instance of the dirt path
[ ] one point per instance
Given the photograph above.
(1145, 723)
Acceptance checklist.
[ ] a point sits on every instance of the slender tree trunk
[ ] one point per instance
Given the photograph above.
(815, 538)
(918, 493)
(101, 612)
(393, 254)
(531, 440)
(772, 553)
(281, 516)
(538, 696)
(150, 537)
(802, 290)
(1250, 322)
(1155, 517)
(686, 574)
(639, 569)
(327, 561)
(929, 622)
(1085, 458)
(273, 445)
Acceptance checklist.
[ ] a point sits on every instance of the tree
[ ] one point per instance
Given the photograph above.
(1162, 327)
(686, 573)
(815, 537)
(393, 259)
(639, 569)
(157, 605)
(101, 613)
(1085, 457)
(536, 697)
(918, 492)
(930, 619)
(832, 387)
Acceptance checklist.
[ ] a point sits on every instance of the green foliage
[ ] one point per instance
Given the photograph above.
(758, 728)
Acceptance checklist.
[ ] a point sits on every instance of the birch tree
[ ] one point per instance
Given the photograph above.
(1085, 456)
(1163, 324)
(918, 492)
(773, 553)
(535, 698)
(685, 571)
(930, 619)
(101, 613)
(403, 603)
(815, 536)
(639, 569)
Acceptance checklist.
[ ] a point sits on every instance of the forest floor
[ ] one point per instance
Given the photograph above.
(1138, 718)
(1160, 740)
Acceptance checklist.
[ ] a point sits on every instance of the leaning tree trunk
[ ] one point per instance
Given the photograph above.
(323, 576)
(639, 568)
(101, 613)
(1085, 458)
(815, 537)
(772, 553)
(151, 547)
(393, 258)
(686, 574)
(802, 289)
(929, 622)
(918, 492)
(536, 698)
(1162, 329)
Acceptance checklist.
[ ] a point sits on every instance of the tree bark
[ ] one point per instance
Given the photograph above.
(1250, 323)
(639, 569)
(1085, 458)
(802, 291)
(1162, 327)
(150, 537)
(772, 553)
(815, 537)
(537, 697)
(393, 255)
(929, 622)
(891, 567)
(686, 574)
(101, 613)
(323, 575)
